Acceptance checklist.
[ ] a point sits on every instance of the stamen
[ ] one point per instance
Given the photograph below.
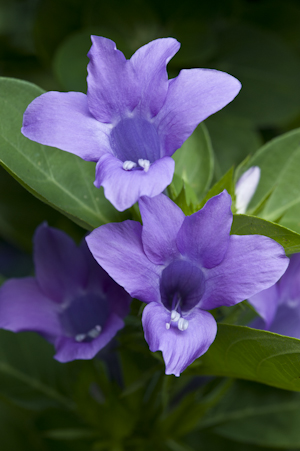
(128, 165)
(145, 164)
(175, 316)
(183, 324)
(94, 333)
(168, 325)
(80, 337)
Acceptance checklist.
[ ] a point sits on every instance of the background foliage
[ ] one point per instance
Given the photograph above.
(122, 400)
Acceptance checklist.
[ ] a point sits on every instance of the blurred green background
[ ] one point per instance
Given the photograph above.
(46, 42)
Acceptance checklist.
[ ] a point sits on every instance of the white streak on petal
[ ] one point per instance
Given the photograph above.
(245, 188)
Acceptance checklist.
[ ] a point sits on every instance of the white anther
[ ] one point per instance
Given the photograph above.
(168, 325)
(183, 324)
(94, 333)
(175, 316)
(128, 165)
(80, 337)
(145, 164)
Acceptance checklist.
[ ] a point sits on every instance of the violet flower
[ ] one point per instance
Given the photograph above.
(71, 301)
(245, 188)
(182, 267)
(279, 305)
(132, 119)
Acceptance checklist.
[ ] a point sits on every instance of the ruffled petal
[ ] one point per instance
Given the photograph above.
(266, 304)
(204, 236)
(112, 89)
(24, 307)
(63, 120)
(60, 269)
(149, 66)
(251, 264)
(192, 96)
(68, 349)
(119, 250)
(179, 348)
(162, 220)
(124, 188)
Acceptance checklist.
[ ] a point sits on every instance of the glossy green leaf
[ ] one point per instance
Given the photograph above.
(257, 414)
(279, 186)
(58, 178)
(194, 161)
(15, 203)
(226, 182)
(256, 355)
(233, 138)
(251, 225)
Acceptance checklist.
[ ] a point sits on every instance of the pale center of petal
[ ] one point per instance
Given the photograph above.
(136, 143)
(181, 289)
(85, 316)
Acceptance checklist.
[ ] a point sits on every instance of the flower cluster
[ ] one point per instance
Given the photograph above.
(130, 123)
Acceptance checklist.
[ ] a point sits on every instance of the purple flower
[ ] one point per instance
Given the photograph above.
(279, 305)
(132, 119)
(182, 267)
(71, 301)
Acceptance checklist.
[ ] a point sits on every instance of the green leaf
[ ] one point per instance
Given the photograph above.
(28, 373)
(226, 182)
(194, 161)
(251, 225)
(257, 414)
(58, 178)
(245, 353)
(233, 138)
(279, 186)
(15, 202)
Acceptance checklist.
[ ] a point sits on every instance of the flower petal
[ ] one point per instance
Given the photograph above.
(60, 269)
(118, 249)
(179, 348)
(266, 304)
(204, 236)
(68, 349)
(149, 66)
(62, 119)
(124, 188)
(162, 220)
(100, 282)
(289, 284)
(286, 321)
(192, 96)
(251, 264)
(24, 307)
(112, 90)
(245, 189)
